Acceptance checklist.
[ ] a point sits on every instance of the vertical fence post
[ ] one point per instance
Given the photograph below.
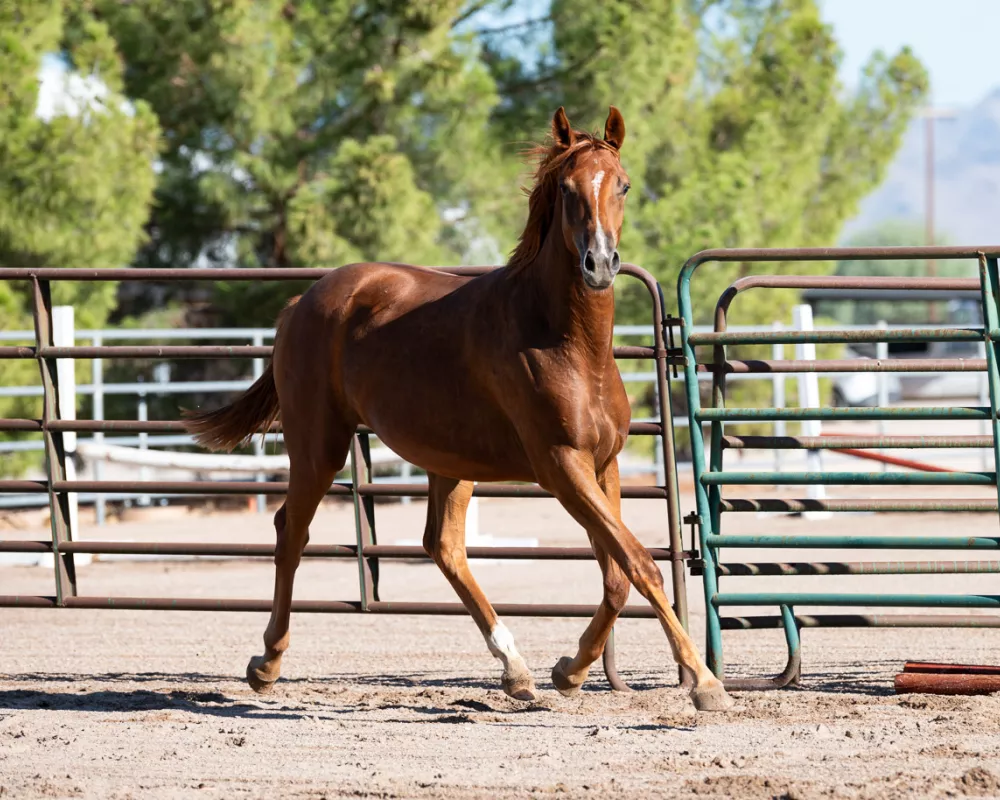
(64, 335)
(882, 382)
(97, 382)
(55, 449)
(802, 319)
(405, 476)
(663, 345)
(778, 399)
(258, 444)
(364, 518)
(989, 278)
(143, 416)
(985, 453)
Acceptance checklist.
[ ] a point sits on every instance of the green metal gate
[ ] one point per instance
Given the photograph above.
(710, 478)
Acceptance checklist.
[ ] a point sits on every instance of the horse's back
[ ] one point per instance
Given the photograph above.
(381, 288)
(412, 353)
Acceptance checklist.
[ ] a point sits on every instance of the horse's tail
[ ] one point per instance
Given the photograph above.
(252, 412)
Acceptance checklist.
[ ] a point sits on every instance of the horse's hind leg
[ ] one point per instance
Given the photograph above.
(444, 541)
(569, 674)
(314, 464)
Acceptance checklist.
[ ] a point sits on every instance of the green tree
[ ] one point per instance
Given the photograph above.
(306, 134)
(739, 133)
(75, 186)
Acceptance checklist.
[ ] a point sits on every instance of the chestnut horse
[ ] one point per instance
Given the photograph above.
(508, 376)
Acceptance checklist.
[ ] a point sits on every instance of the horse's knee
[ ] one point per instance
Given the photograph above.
(450, 560)
(645, 575)
(286, 549)
(616, 591)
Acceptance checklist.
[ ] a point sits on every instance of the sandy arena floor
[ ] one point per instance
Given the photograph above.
(152, 704)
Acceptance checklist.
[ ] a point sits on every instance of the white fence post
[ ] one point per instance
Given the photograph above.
(142, 415)
(802, 319)
(64, 335)
(97, 381)
(258, 444)
(881, 382)
(778, 396)
(406, 475)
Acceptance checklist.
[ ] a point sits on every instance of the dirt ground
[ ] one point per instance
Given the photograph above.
(124, 704)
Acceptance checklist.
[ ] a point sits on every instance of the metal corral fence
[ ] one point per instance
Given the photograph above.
(99, 389)
(99, 447)
(64, 543)
(711, 477)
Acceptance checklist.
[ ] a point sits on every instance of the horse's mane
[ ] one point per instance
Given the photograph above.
(542, 196)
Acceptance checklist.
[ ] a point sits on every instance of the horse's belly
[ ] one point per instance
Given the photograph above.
(464, 440)
(425, 406)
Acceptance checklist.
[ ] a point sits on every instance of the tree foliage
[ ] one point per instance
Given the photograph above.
(740, 133)
(290, 133)
(305, 133)
(76, 182)
(890, 234)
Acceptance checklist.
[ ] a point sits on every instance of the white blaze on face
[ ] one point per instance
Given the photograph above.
(602, 242)
(596, 183)
(501, 644)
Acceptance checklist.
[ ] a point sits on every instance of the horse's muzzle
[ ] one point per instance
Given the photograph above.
(599, 268)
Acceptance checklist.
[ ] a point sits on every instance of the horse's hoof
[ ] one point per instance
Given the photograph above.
(712, 697)
(520, 687)
(567, 685)
(257, 678)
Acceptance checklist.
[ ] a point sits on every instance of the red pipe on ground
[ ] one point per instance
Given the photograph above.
(941, 683)
(951, 669)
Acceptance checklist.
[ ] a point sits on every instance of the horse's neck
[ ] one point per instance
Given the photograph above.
(580, 316)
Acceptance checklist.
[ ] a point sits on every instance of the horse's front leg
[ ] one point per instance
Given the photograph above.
(569, 475)
(444, 541)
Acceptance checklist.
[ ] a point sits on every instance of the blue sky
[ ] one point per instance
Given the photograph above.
(956, 40)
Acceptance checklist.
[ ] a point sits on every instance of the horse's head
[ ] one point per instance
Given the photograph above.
(592, 189)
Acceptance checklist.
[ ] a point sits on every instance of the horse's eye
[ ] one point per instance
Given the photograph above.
(626, 188)
(563, 188)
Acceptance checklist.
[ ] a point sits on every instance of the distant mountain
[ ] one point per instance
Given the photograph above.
(967, 178)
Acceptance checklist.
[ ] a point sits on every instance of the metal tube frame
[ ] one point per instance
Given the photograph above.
(361, 489)
(709, 479)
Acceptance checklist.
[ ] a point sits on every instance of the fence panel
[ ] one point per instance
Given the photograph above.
(712, 477)
(64, 543)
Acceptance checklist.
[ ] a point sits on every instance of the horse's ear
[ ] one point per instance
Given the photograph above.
(561, 130)
(614, 129)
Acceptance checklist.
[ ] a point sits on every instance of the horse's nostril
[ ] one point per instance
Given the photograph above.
(616, 262)
(589, 263)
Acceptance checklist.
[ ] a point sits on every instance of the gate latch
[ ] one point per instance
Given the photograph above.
(694, 559)
(675, 356)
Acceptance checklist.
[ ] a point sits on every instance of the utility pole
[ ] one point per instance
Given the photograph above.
(931, 115)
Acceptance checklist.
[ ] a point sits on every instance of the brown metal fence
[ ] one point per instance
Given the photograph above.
(64, 544)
